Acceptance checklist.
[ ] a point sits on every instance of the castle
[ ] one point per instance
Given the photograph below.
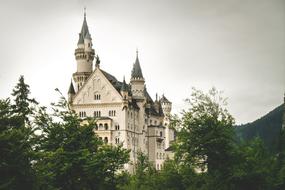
(125, 113)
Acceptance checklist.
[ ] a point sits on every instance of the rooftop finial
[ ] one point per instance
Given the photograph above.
(84, 12)
(137, 52)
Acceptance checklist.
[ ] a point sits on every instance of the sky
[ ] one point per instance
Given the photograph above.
(237, 46)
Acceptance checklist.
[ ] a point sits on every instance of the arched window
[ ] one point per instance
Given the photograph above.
(160, 133)
(97, 96)
(106, 126)
(100, 126)
(106, 140)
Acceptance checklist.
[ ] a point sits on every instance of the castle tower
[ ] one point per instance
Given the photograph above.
(166, 105)
(137, 80)
(84, 55)
(166, 108)
(71, 92)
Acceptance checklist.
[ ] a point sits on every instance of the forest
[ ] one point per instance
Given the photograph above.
(51, 148)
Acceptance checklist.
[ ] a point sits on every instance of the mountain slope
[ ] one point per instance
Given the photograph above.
(267, 128)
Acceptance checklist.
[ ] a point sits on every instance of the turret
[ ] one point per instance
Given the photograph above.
(137, 80)
(71, 92)
(124, 90)
(166, 105)
(84, 55)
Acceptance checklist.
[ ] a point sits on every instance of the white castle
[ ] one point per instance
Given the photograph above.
(125, 113)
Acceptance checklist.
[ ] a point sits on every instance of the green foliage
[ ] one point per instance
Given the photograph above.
(254, 168)
(71, 156)
(267, 128)
(23, 106)
(58, 150)
(205, 137)
(16, 140)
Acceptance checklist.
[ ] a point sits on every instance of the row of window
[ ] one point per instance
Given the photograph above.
(112, 113)
(82, 114)
(97, 97)
(159, 166)
(160, 156)
(105, 139)
(106, 127)
(117, 140)
(97, 113)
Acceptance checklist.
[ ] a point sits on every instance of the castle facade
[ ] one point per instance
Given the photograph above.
(125, 113)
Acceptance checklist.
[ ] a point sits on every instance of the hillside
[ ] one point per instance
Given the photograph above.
(267, 128)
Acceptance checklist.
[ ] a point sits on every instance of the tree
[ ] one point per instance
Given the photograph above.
(254, 167)
(16, 140)
(205, 138)
(71, 156)
(23, 106)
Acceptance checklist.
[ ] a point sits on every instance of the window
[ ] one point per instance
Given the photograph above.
(160, 133)
(117, 127)
(97, 113)
(97, 96)
(82, 114)
(112, 113)
(117, 140)
(106, 126)
(106, 140)
(100, 126)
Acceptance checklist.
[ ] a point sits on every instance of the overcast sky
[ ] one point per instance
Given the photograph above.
(238, 46)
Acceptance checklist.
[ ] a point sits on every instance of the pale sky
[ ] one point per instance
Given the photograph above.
(238, 46)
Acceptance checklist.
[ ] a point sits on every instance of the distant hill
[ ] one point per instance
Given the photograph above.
(267, 128)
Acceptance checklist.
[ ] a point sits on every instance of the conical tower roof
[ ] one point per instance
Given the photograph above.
(137, 72)
(84, 34)
(71, 89)
(124, 86)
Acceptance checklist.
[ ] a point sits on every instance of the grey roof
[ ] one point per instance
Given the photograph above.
(137, 72)
(124, 86)
(84, 32)
(119, 85)
(164, 99)
(71, 89)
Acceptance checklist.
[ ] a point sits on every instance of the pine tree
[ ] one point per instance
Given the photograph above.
(16, 143)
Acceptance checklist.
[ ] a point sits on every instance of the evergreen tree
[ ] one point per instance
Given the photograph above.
(16, 142)
(23, 106)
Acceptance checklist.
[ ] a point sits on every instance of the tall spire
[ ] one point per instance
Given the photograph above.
(84, 30)
(124, 85)
(137, 72)
(71, 88)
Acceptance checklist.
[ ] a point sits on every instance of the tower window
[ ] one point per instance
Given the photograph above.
(106, 140)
